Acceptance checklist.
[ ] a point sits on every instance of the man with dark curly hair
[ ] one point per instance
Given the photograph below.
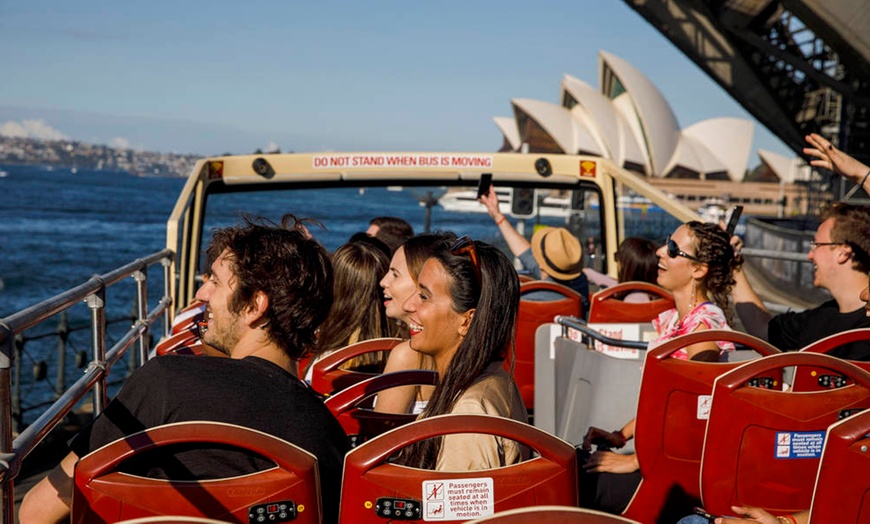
(839, 256)
(267, 291)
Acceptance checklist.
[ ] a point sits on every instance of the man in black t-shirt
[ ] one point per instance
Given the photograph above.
(840, 258)
(267, 291)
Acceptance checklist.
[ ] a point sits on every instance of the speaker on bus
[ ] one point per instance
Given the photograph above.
(524, 202)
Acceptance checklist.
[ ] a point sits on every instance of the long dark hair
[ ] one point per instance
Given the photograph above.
(713, 247)
(637, 260)
(490, 334)
(418, 249)
(357, 311)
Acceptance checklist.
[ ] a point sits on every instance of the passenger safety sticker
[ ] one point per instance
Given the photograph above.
(457, 499)
(799, 444)
(704, 402)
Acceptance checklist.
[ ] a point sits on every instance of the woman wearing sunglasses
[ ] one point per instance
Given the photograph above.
(696, 265)
(463, 317)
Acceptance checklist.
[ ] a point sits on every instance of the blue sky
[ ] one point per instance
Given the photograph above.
(221, 76)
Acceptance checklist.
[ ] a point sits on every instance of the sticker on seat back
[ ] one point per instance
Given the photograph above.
(704, 402)
(457, 499)
(799, 444)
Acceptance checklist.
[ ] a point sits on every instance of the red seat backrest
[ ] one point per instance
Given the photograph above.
(187, 318)
(533, 314)
(550, 478)
(604, 307)
(326, 377)
(552, 515)
(184, 337)
(363, 424)
(181, 343)
(103, 494)
(762, 446)
(840, 495)
(812, 379)
(670, 424)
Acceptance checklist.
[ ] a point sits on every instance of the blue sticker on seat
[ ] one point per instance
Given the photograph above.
(799, 444)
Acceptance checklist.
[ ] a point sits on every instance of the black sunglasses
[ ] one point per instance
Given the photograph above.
(465, 246)
(674, 251)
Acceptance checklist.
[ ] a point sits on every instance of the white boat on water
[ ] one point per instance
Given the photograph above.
(547, 206)
(466, 202)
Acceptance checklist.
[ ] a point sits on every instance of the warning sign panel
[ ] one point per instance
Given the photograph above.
(635, 332)
(704, 402)
(800, 444)
(401, 160)
(457, 499)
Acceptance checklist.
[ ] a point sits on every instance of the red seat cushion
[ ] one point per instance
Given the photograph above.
(762, 446)
(670, 423)
(362, 424)
(550, 478)
(103, 494)
(604, 307)
(533, 314)
(327, 375)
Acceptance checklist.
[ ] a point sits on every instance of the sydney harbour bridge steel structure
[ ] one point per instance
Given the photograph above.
(798, 66)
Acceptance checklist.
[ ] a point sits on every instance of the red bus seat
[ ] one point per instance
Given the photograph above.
(762, 447)
(103, 494)
(603, 307)
(840, 495)
(184, 336)
(811, 379)
(671, 421)
(552, 515)
(327, 377)
(371, 485)
(362, 424)
(181, 343)
(531, 315)
(173, 519)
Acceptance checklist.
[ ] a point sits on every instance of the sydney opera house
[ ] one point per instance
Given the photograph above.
(628, 121)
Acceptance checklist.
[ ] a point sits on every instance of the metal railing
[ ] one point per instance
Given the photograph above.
(590, 334)
(93, 293)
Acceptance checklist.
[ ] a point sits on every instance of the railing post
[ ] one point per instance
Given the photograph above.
(97, 304)
(167, 291)
(141, 277)
(62, 337)
(17, 414)
(7, 355)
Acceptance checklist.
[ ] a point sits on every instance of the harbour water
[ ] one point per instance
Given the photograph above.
(58, 228)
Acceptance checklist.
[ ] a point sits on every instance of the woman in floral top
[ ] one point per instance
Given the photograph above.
(696, 265)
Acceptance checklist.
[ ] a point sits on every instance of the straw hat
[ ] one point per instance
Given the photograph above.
(557, 252)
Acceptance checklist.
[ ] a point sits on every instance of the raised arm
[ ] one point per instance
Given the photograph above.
(829, 157)
(515, 241)
(751, 310)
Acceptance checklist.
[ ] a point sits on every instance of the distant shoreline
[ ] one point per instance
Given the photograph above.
(70, 154)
